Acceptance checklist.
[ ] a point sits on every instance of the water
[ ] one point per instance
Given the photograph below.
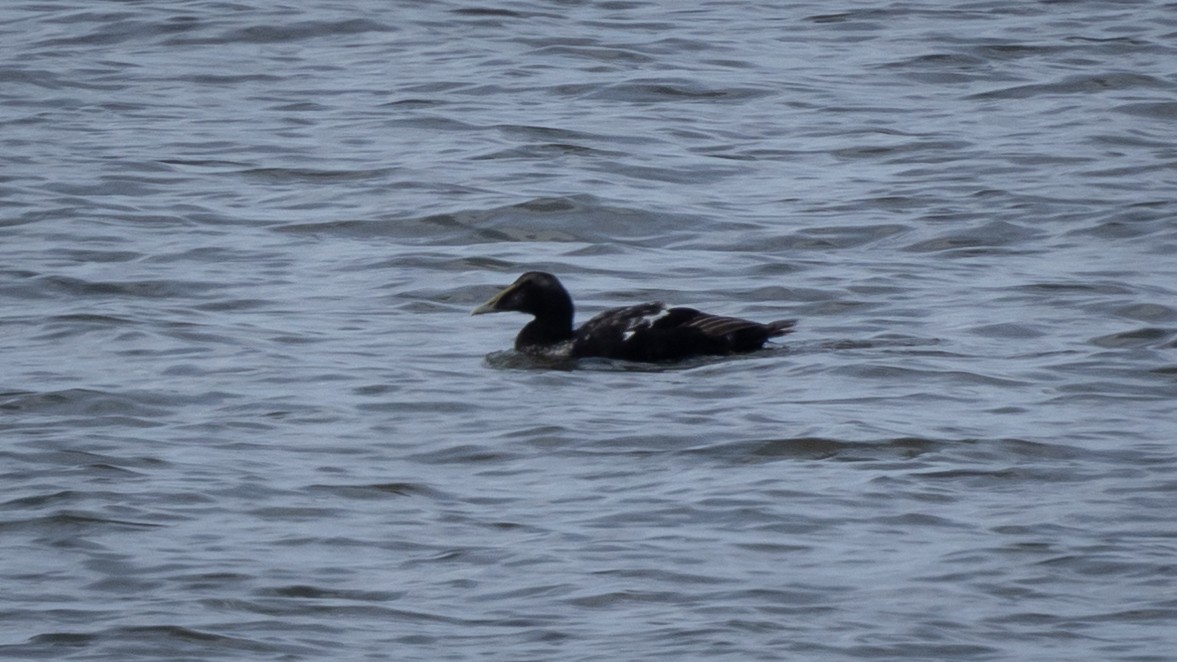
(245, 413)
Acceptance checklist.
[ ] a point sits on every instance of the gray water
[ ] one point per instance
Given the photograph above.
(244, 412)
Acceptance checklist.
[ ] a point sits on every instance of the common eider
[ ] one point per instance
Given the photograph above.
(648, 332)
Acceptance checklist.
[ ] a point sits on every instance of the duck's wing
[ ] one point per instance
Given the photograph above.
(609, 333)
(657, 332)
(737, 329)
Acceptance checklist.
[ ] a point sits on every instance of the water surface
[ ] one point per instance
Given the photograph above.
(244, 412)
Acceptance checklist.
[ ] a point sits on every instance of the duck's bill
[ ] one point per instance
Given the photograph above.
(485, 308)
(491, 305)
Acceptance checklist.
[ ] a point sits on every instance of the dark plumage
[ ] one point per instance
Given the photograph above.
(645, 332)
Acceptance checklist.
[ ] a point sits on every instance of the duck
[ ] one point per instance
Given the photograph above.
(647, 332)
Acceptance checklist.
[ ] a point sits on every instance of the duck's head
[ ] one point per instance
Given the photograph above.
(535, 293)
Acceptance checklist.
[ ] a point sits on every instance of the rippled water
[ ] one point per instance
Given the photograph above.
(245, 414)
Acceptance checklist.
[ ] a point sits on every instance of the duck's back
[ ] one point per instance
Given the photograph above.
(656, 332)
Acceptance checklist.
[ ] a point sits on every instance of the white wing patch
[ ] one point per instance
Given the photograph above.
(636, 324)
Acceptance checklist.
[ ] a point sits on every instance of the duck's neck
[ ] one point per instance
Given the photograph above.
(551, 328)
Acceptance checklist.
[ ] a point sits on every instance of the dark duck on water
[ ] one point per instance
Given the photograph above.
(650, 332)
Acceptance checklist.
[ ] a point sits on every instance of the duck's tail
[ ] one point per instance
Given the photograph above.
(780, 327)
